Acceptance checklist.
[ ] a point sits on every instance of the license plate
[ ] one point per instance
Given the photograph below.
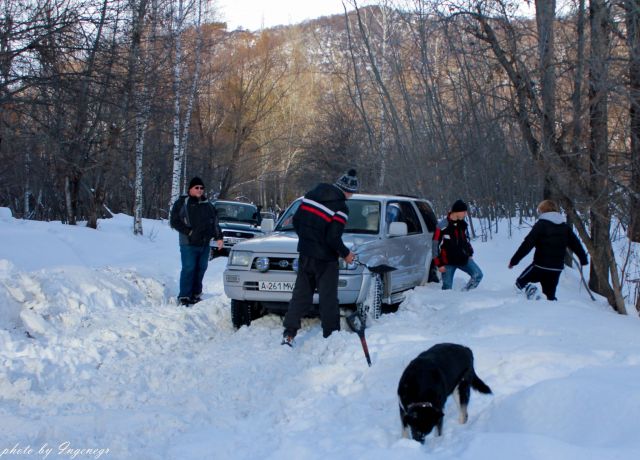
(277, 286)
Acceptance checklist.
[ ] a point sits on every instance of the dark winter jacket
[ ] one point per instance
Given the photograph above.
(196, 220)
(451, 244)
(320, 221)
(550, 236)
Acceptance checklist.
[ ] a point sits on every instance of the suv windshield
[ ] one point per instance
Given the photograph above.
(364, 217)
(236, 212)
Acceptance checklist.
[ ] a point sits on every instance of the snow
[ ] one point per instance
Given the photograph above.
(97, 361)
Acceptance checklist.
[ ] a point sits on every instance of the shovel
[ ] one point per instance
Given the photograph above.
(378, 269)
(355, 321)
(357, 325)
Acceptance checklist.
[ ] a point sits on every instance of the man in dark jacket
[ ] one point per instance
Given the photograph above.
(196, 220)
(452, 249)
(550, 236)
(319, 223)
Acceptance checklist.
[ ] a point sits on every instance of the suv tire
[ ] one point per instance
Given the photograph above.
(372, 305)
(240, 313)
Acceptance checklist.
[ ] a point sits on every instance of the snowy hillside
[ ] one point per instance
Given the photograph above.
(98, 362)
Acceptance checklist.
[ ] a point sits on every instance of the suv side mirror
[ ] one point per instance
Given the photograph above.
(268, 225)
(398, 229)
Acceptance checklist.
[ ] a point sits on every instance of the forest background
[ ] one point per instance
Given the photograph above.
(111, 106)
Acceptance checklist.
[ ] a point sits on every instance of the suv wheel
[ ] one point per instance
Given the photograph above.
(372, 305)
(240, 313)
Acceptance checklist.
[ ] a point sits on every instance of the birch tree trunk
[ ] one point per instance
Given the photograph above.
(142, 117)
(27, 185)
(178, 159)
(137, 97)
(184, 139)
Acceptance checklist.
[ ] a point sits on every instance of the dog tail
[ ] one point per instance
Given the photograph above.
(478, 385)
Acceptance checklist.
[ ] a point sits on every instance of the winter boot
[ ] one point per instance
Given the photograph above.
(287, 340)
(472, 284)
(195, 298)
(530, 291)
(184, 301)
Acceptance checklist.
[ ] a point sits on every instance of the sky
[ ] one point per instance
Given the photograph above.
(256, 14)
(98, 362)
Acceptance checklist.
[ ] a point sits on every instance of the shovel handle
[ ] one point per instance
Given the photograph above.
(365, 348)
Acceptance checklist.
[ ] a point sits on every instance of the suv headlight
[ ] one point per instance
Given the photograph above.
(342, 265)
(240, 258)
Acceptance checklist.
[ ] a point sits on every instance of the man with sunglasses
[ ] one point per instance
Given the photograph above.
(196, 220)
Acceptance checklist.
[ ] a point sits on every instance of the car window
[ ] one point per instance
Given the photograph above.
(364, 217)
(236, 212)
(285, 223)
(428, 215)
(403, 211)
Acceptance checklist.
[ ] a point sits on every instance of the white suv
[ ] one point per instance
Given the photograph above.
(382, 229)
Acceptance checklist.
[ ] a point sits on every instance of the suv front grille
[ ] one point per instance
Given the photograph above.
(237, 234)
(278, 264)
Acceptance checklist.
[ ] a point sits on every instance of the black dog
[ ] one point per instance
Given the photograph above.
(427, 382)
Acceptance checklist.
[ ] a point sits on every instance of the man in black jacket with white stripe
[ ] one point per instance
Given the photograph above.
(550, 236)
(319, 223)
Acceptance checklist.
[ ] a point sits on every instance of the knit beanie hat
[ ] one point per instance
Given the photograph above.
(348, 182)
(459, 206)
(195, 181)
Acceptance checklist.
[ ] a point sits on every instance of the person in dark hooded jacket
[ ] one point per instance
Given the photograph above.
(550, 236)
(452, 250)
(196, 220)
(319, 223)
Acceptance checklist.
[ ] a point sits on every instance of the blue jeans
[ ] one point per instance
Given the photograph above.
(195, 260)
(470, 268)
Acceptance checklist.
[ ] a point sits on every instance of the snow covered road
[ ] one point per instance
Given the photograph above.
(97, 362)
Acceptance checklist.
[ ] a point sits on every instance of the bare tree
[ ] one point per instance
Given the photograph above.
(137, 92)
(633, 41)
(566, 177)
(253, 89)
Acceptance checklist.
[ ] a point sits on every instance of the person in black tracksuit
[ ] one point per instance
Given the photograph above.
(196, 220)
(319, 223)
(550, 236)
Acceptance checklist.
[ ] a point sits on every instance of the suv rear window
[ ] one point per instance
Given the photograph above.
(428, 215)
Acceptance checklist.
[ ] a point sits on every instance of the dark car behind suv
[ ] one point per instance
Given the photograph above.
(239, 221)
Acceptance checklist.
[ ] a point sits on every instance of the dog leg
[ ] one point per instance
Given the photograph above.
(461, 395)
(405, 432)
